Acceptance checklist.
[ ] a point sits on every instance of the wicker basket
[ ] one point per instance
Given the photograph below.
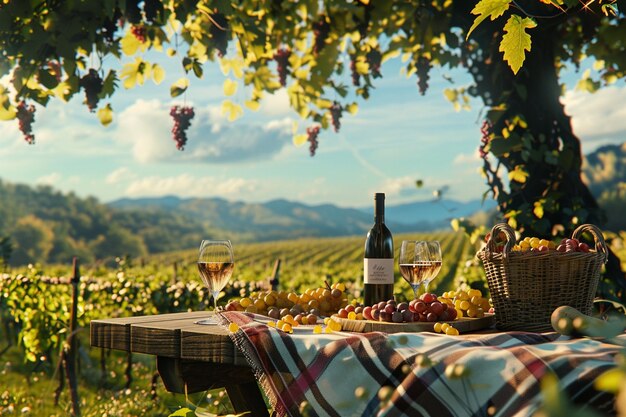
(526, 287)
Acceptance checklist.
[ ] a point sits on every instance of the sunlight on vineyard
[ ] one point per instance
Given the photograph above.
(35, 310)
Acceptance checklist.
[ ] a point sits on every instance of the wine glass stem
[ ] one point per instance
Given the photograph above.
(416, 290)
(215, 302)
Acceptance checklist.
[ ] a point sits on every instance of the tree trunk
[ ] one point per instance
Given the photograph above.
(531, 131)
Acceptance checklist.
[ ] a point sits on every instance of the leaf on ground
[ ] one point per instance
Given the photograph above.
(488, 8)
(516, 41)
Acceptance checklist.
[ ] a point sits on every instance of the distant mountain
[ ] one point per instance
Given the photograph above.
(434, 213)
(605, 168)
(276, 219)
(279, 219)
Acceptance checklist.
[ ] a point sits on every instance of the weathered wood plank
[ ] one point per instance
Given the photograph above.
(115, 333)
(208, 343)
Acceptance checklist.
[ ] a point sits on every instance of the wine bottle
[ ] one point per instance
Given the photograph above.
(378, 260)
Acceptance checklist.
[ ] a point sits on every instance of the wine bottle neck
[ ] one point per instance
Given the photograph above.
(379, 210)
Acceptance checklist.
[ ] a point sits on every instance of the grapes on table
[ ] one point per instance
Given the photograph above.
(467, 302)
(304, 308)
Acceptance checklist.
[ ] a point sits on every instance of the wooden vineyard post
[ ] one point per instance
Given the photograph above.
(175, 276)
(69, 357)
(274, 278)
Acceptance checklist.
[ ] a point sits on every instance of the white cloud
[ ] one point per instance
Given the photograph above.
(276, 104)
(466, 159)
(598, 117)
(51, 179)
(146, 126)
(186, 185)
(398, 186)
(119, 175)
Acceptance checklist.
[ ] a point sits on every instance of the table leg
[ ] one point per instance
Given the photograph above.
(195, 376)
(247, 397)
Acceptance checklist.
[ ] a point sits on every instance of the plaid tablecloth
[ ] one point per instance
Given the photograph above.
(346, 374)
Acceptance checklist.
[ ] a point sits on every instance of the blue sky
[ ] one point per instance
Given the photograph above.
(397, 136)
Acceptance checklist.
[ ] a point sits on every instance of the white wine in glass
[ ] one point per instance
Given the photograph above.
(216, 262)
(409, 269)
(428, 259)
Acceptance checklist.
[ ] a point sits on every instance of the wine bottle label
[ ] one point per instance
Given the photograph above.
(377, 271)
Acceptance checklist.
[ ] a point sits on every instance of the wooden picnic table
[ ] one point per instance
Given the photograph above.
(198, 357)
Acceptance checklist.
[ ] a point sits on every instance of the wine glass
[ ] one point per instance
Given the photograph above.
(408, 266)
(428, 258)
(215, 264)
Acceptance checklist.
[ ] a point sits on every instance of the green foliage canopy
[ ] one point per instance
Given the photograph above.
(514, 50)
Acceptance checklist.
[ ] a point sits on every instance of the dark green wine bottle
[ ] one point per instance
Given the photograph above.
(378, 277)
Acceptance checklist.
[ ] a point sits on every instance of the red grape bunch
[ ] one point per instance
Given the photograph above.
(335, 112)
(321, 29)
(182, 116)
(92, 84)
(423, 67)
(312, 133)
(374, 59)
(282, 64)
(485, 131)
(356, 77)
(26, 117)
(427, 308)
(139, 32)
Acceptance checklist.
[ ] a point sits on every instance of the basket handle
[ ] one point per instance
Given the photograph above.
(597, 237)
(510, 238)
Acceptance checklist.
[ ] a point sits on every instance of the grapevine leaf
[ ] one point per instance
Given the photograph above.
(230, 87)
(518, 175)
(516, 41)
(105, 115)
(197, 68)
(235, 65)
(451, 94)
(135, 73)
(300, 140)
(488, 8)
(179, 87)
(233, 110)
(7, 113)
(352, 108)
(555, 3)
(158, 73)
(252, 105)
(109, 85)
(46, 79)
(538, 210)
(183, 412)
(130, 44)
